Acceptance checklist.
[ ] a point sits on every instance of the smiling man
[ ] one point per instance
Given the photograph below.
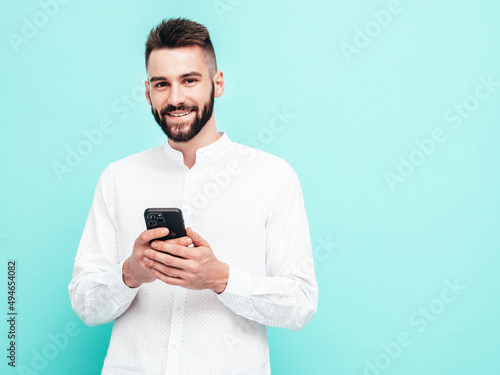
(198, 304)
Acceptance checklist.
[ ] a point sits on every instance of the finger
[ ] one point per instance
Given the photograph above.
(169, 271)
(172, 248)
(152, 234)
(184, 241)
(197, 239)
(165, 258)
(169, 279)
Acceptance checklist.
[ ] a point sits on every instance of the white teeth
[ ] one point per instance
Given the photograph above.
(179, 114)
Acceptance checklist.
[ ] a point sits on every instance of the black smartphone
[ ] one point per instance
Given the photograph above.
(170, 218)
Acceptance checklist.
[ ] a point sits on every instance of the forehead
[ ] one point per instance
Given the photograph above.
(172, 63)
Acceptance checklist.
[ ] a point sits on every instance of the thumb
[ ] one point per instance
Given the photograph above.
(197, 239)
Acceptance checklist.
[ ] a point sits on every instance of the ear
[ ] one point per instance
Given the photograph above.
(146, 83)
(218, 84)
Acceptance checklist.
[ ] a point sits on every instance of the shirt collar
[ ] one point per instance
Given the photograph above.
(202, 153)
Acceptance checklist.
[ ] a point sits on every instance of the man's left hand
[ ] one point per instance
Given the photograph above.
(192, 267)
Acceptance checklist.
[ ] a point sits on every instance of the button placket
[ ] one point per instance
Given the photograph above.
(175, 335)
(187, 197)
(179, 303)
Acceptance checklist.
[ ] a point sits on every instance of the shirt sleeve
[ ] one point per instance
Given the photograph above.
(97, 291)
(287, 296)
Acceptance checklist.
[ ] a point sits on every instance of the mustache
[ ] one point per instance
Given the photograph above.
(182, 107)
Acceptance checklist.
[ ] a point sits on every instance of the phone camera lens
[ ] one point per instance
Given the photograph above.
(160, 220)
(152, 223)
(151, 217)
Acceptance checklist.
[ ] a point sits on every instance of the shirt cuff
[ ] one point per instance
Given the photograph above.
(238, 288)
(116, 275)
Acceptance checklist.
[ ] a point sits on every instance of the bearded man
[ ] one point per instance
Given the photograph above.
(198, 304)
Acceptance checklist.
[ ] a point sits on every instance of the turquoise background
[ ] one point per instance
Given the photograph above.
(382, 254)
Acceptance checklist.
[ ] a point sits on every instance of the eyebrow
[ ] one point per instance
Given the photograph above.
(185, 75)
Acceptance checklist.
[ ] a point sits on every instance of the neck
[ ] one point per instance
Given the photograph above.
(206, 136)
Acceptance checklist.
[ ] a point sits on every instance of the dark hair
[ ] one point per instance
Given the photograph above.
(181, 32)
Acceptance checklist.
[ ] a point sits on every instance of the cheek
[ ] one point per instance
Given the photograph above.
(203, 97)
(157, 100)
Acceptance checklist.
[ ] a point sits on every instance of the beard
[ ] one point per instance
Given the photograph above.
(174, 130)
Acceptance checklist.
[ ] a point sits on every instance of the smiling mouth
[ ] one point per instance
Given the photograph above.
(179, 114)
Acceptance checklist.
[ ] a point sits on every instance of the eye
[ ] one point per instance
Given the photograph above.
(160, 85)
(190, 81)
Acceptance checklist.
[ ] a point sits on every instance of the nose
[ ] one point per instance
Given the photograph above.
(176, 96)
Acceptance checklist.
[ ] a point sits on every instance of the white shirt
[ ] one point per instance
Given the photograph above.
(248, 205)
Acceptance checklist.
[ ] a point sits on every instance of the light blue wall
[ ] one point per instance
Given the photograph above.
(407, 257)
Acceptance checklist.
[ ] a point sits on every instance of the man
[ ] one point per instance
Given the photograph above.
(198, 304)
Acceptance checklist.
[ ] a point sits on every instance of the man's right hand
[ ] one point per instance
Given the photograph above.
(135, 272)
